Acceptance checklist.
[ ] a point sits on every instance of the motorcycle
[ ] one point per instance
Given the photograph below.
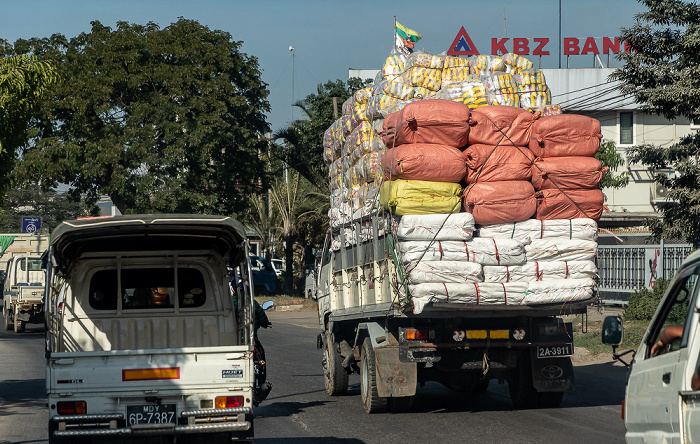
(261, 388)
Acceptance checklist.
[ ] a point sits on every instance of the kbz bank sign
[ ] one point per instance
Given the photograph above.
(463, 45)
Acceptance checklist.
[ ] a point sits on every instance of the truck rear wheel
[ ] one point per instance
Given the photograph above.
(371, 401)
(19, 325)
(8, 322)
(334, 375)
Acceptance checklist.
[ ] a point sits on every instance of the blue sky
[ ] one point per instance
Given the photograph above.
(330, 36)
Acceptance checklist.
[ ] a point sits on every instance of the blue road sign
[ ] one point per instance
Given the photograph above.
(31, 225)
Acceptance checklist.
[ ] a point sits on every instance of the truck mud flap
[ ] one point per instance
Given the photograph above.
(552, 374)
(394, 378)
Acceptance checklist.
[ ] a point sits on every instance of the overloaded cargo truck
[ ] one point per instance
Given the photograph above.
(462, 230)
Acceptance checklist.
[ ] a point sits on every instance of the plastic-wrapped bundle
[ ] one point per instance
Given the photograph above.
(386, 112)
(457, 69)
(403, 197)
(566, 173)
(528, 230)
(329, 152)
(395, 89)
(476, 293)
(530, 80)
(501, 89)
(499, 202)
(428, 121)
(565, 135)
(515, 63)
(424, 161)
(540, 270)
(561, 250)
(444, 271)
(549, 110)
(559, 291)
(363, 140)
(488, 163)
(494, 124)
(535, 100)
(471, 93)
(370, 166)
(569, 204)
(335, 181)
(486, 65)
(429, 78)
(346, 109)
(379, 102)
(455, 226)
(426, 60)
(479, 250)
(394, 65)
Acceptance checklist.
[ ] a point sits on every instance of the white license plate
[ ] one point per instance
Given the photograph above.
(150, 414)
(555, 351)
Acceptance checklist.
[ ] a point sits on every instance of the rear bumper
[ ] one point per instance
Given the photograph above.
(190, 421)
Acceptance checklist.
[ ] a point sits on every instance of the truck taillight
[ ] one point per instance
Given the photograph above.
(414, 333)
(227, 402)
(71, 407)
(622, 411)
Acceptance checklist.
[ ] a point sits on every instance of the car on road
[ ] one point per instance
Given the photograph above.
(264, 276)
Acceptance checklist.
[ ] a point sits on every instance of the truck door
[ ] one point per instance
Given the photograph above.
(652, 403)
(690, 396)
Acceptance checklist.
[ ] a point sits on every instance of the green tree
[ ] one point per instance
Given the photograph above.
(609, 157)
(661, 73)
(23, 79)
(52, 207)
(303, 147)
(160, 120)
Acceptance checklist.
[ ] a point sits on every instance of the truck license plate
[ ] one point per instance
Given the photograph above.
(150, 414)
(555, 351)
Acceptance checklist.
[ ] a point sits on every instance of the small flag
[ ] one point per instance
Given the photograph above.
(406, 38)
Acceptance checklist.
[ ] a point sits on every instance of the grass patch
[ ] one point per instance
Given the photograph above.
(591, 340)
(305, 303)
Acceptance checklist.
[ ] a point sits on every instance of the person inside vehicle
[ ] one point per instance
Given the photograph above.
(666, 337)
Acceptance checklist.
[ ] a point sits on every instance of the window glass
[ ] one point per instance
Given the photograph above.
(147, 288)
(626, 129)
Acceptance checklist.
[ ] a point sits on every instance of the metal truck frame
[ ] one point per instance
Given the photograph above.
(143, 340)
(368, 329)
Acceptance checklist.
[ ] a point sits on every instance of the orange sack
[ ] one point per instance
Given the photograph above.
(565, 135)
(500, 202)
(488, 163)
(567, 173)
(555, 204)
(424, 161)
(437, 121)
(500, 125)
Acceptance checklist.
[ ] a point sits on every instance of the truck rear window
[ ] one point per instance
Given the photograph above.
(147, 289)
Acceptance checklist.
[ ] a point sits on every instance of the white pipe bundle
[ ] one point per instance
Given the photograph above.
(455, 226)
(531, 229)
(541, 270)
(561, 250)
(476, 293)
(480, 250)
(559, 291)
(444, 271)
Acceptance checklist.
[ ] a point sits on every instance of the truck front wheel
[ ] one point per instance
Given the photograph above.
(334, 375)
(371, 401)
(8, 322)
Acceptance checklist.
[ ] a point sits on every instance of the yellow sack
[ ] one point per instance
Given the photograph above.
(403, 197)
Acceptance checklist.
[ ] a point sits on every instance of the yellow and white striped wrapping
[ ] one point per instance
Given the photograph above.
(352, 177)
(380, 102)
(515, 63)
(501, 89)
(472, 94)
(370, 166)
(346, 109)
(530, 80)
(486, 65)
(429, 78)
(550, 110)
(426, 60)
(393, 88)
(535, 100)
(394, 65)
(455, 75)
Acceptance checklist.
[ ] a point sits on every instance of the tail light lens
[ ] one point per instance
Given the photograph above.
(71, 407)
(413, 333)
(227, 402)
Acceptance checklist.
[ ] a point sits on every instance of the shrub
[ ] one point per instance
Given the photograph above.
(642, 303)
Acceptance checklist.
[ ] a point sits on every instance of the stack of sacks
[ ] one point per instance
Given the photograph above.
(423, 142)
(443, 263)
(360, 106)
(471, 92)
(501, 89)
(515, 64)
(532, 89)
(394, 65)
(499, 165)
(485, 65)
(423, 70)
(456, 70)
(566, 175)
(390, 92)
(560, 265)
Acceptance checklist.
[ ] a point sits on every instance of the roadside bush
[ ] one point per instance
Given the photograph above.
(643, 303)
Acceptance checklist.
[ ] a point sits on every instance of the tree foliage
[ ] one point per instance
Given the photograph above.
(23, 79)
(609, 157)
(160, 120)
(303, 150)
(662, 73)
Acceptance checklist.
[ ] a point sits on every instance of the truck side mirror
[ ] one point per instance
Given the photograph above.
(612, 331)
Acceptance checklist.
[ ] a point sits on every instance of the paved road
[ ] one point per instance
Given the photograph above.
(299, 410)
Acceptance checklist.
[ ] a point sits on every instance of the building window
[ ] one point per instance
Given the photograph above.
(626, 129)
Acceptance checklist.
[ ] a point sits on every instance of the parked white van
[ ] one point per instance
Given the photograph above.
(143, 339)
(661, 404)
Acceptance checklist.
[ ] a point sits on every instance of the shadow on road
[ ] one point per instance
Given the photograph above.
(278, 409)
(17, 393)
(307, 440)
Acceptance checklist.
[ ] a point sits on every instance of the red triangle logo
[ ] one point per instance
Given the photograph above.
(462, 45)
